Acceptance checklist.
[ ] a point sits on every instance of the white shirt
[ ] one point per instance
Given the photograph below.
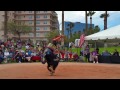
(27, 47)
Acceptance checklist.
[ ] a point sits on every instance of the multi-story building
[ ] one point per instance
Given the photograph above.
(78, 27)
(1, 24)
(45, 22)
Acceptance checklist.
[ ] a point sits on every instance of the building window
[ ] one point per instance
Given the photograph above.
(30, 22)
(45, 22)
(19, 11)
(37, 22)
(38, 16)
(19, 17)
(37, 28)
(31, 34)
(38, 34)
(19, 23)
(32, 28)
(23, 22)
(30, 17)
(37, 11)
(30, 11)
(45, 33)
(45, 16)
(45, 28)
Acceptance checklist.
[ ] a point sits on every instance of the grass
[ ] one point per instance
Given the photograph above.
(110, 49)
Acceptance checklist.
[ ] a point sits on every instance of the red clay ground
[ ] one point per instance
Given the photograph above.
(67, 70)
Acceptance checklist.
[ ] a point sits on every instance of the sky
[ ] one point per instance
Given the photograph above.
(79, 16)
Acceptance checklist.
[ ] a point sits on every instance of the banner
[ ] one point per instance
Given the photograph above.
(82, 39)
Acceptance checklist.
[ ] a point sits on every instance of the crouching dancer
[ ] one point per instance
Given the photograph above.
(51, 58)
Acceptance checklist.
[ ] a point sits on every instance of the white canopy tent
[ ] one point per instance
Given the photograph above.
(111, 33)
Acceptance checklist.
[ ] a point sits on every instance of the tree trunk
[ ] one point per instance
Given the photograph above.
(70, 33)
(90, 25)
(104, 23)
(34, 40)
(105, 20)
(5, 26)
(86, 23)
(62, 42)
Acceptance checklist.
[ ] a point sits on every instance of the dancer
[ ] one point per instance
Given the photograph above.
(51, 58)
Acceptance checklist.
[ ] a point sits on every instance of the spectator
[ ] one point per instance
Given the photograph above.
(87, 53)
(106, 53)
(97, 49)
(94, 56)
(6, 56)
(1, 57)
(18, 57)
(81, 53)
(116, 53)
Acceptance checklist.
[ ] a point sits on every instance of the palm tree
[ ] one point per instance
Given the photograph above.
(68, 32)
(90, 13)
(62, 27)
(105, 16)
(5, 25)
(71, 25)
(86, 22)
(34, 27)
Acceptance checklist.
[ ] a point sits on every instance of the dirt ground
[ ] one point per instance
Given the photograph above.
(65, 70)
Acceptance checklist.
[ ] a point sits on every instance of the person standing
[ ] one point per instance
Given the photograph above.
(87, 53)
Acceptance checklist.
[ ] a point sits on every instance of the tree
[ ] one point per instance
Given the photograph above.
(86, 21)
(52, 34)
(70, 25)
(96, 29)
(18, 29)
(90, 13)
(62, 27)
(68, 32)
(105, 16)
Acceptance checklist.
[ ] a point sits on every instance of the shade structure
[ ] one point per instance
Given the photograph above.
(111, 33)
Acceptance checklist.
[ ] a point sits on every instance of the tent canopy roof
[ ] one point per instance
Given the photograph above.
(111, 33)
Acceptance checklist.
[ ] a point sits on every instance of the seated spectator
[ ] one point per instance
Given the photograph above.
(106, 53)
(97, 49)
(18, 57)
(116, 53)
(6, 56)
(75, 57)
(27, 57)
(94, 56)
(1, 56)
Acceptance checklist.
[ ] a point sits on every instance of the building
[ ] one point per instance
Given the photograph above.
(1, 24)
(78, 27)
(45, 22)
